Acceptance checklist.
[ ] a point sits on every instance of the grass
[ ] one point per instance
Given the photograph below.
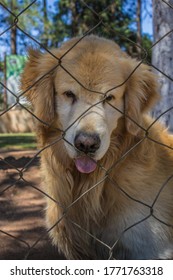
(17, 141)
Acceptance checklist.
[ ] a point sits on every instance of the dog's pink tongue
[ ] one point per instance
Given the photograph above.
(85, 164)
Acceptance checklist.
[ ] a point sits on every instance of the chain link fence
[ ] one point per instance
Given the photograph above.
(21, 170)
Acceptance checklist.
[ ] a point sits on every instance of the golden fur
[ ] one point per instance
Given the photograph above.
(117, 203)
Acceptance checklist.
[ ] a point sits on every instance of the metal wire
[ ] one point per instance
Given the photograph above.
(107, 172)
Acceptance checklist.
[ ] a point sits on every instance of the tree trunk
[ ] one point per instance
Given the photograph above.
(162, 58)
(139, 27)
(45, 40)
(13, 40)
(75, 17)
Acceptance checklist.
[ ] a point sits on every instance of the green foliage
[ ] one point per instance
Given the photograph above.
(17, 141)
(147, 44)
(52, 22)
(75, 18)
(1, 66)
(111, 19)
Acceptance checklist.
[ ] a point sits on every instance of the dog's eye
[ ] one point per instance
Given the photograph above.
(70, 95)
(109, 98)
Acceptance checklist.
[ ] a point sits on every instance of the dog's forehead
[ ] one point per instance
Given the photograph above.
(94, 70)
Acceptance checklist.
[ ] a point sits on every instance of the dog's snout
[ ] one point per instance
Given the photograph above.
(87, 142)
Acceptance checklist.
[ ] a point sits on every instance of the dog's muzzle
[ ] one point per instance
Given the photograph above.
(88, 144)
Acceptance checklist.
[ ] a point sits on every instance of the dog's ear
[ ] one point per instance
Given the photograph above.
(37, 83)
(140, 95)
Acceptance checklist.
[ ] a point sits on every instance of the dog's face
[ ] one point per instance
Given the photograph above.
(89, 111)
(88, 92)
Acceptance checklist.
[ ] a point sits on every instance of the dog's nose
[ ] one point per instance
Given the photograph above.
(87, 142)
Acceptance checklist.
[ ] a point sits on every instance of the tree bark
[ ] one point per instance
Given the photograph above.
(45, 40)
(13, 40)
(13, 30)
(162, 58)
(139, 27)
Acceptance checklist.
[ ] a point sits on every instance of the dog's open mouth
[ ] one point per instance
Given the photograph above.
(84, 164)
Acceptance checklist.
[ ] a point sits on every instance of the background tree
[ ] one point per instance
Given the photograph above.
(26, 20)
(120, 21)
(139, 25)
(13, 30)
(162, 57)
(77, 18)
(52, 23)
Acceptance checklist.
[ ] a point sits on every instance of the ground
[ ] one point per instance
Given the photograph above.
(22, 209)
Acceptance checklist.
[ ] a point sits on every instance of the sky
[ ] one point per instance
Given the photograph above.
(147, 19)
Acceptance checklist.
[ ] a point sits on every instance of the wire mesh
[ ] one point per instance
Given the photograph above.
(21, 171)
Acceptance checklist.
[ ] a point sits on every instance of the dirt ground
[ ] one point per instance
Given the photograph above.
(22, 209)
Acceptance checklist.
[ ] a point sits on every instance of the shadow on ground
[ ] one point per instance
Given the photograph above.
(22, 228)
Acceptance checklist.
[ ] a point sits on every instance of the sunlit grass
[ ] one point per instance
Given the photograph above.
(17, 141)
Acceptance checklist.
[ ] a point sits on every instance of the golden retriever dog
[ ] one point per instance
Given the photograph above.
(107, 167)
